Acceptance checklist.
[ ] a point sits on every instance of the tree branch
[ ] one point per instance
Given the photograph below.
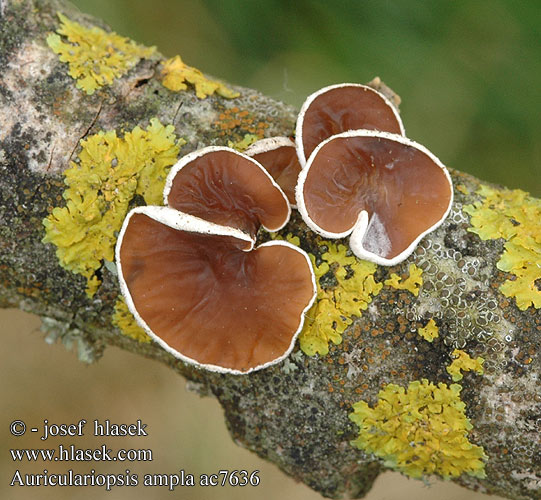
(294, 414)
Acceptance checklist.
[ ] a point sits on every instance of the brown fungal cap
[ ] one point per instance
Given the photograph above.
(339, 108)
(279, 157)
(383, 189)
(223, 186)
(201, 292)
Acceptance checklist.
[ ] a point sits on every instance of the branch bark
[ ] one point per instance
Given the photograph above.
(294, 414)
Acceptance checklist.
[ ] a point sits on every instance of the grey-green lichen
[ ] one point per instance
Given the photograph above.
(71, 337)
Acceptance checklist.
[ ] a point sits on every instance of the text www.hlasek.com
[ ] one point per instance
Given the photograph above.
(73, 454)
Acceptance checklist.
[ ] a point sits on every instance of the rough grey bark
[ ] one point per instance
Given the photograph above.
(294, 414)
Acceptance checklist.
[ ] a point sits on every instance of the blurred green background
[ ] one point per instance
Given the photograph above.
(468, 71)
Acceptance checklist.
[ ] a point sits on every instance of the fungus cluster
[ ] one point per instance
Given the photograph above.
(361, 177)
(356, 174)
(279, 157)
(189, 270)
(192, 277)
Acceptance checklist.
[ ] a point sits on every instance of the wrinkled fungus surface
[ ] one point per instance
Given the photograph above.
(383, 189)
(279, 157)
(227, 188)
(192, 278)
(339, 108)
(208, 299)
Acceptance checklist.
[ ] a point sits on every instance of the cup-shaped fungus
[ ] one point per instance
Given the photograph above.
(279, 157)
(339, 108)
(383, 189)
(200, 288)
(223, 186)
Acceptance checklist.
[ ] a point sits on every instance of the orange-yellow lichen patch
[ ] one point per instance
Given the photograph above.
(514, 216)
(109, 172)
(420, 430)
(175, 75)
(430, 331)
(412, 283)
(462, 362)
(95, 57)
(237, 123)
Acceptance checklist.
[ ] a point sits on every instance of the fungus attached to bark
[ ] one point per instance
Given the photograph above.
(339, 108)
(223, 186)
(383, 189)
(195, 282)
(279, 157)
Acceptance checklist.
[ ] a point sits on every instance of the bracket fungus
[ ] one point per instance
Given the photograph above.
(279, 157)
(339, 108)
(224, 186)
(382, 189)
(194, 281)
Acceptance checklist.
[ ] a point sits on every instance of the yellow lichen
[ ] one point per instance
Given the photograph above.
(335, 306)
(92, 286)
(420, 430)
(412, 283)
(514, 216)
(95, 57)
(294, 240)
(462, 189)
(124, 320)
(175, 73)
(244, 143)
(463, 363)
(109, 173)
(430, 331)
